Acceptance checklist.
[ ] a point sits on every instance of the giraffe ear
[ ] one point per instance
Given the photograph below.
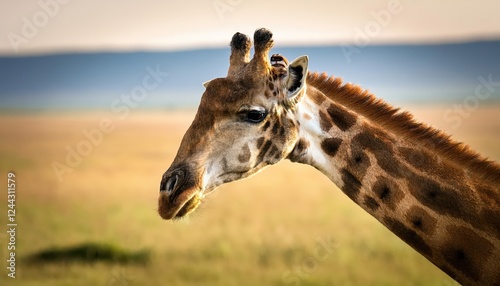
(205, 84)
(296, 82)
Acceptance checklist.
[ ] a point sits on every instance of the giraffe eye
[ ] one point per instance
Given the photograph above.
(253, 116)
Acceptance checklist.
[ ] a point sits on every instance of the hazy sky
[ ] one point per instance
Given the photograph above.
(40, 26)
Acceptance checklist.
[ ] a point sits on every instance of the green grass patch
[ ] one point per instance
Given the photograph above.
(90, 252)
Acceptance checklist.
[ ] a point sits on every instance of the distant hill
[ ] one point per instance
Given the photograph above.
(397, 73)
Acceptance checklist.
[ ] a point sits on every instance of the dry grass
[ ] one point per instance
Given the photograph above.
(266, 230)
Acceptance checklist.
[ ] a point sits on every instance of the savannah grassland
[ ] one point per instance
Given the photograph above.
(288, 225)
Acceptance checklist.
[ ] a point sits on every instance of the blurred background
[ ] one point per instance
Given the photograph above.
(95, 97)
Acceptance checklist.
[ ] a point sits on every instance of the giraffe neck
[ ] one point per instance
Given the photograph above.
(438, 208)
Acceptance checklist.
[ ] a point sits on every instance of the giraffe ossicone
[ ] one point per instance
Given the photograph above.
(437, 195)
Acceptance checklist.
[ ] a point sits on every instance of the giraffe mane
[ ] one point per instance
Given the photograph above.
(402, 122)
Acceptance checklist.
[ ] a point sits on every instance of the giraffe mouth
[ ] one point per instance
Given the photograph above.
(182, 205)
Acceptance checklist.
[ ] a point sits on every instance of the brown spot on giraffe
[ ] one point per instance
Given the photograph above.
(381, 147)
(331, 145)
(325, 122)
(420, 159)
(387, 192)
(341, 117)
(423, 161)
(371, 203)
(266, 125)
(409, 236)
(467, 254)
(421, 220)
(276, 128)
(271, 85)
(358, 162)
(351, 186)
(446, 196)
(245, 154)
(263, 151)
(441, 199)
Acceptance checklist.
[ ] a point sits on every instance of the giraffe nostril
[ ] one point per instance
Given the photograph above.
(169, 184)
(172, 183)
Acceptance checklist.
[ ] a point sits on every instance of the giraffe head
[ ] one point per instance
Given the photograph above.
(243, 124)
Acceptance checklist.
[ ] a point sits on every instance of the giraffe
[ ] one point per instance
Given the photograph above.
(437, 195)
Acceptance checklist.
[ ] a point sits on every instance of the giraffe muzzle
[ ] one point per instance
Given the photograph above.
(178, 194)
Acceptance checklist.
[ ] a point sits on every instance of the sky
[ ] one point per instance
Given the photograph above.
(400, 74)
(88, 53)
(53, 26)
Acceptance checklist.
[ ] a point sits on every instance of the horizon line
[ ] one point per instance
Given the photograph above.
(216, 46)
